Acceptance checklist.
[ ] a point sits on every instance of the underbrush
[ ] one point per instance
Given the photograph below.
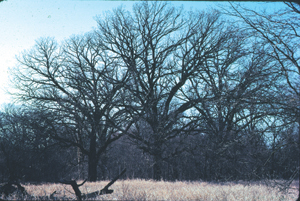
(160, 190)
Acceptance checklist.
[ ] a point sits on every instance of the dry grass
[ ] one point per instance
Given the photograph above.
(151, 190)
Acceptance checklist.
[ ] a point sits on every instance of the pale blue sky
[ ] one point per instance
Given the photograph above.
(24, 21)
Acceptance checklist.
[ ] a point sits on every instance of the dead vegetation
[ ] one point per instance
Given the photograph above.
(19, 192)
(151, 190)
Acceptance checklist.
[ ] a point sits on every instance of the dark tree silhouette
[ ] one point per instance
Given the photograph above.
(74, 84)
(198, 96)
(161, 49)
(279, 34)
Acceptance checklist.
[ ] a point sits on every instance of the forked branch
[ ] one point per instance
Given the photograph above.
(103, 191)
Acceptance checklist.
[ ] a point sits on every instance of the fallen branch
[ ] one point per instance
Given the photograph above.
(75, 187)
(11, 187)
(103, 191)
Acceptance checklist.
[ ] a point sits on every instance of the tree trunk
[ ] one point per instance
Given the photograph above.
(79, 164)
(92, 168)
(157, 168)
(104, 174)
(92, 160)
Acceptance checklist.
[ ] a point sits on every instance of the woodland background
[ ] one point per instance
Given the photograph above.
(165, 93)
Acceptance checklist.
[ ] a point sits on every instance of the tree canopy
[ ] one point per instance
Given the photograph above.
(168, 94)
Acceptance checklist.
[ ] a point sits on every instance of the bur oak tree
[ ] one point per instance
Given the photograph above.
(278, 33)
(73, 81)
(161, 48)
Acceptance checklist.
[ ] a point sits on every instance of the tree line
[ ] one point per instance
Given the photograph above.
(165, 93)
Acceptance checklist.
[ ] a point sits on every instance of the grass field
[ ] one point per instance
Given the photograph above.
(151, 190)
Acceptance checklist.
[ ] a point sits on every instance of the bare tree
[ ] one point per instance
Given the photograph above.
(234, 89)
(74, 84)
(162, 49)
(159, 74)
(278, 33)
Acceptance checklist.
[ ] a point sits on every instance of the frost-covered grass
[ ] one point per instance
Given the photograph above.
(152, 190)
